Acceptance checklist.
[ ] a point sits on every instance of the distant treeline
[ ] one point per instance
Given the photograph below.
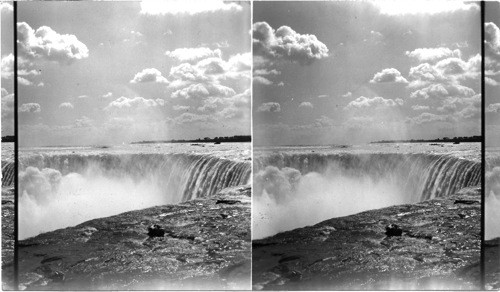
(240, 138)
(9, 139)
(442, 140)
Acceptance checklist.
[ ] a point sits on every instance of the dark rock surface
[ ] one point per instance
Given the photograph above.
(7, 237)
(200, 249)
(439, 248)
(492, 264)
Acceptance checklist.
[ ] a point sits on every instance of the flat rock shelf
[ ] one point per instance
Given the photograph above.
(206, 245)
(439, 248)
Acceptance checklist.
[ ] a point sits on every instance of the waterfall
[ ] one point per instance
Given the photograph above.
(80, 187)
(424, 176)
(7, 174)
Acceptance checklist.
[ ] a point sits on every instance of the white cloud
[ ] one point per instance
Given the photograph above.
(432, 55)
(492, 48)
(374, 102)
(493, 108)
(286, 44)
(420, 107)
(181, 107)
(266, 72)
(107, 95)
(347, 95)
(83, 122)
(149, 75)
(8, 66)
(66, 105)
(439, 91)
(306, 104)
(272, 107)
(6, 7)
(199, 91)
(24, 81)
(190, 118)
(397, 7)
(262, 80)
(44, 43)
(322, 96)
(30, 108)
(7, 107)
(388, 75)
(193, 54)
(131, 103)
(491, 81)
(192, 7)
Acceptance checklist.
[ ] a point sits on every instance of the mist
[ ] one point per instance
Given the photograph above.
(492, 203)
(284, 199)
(50, 200)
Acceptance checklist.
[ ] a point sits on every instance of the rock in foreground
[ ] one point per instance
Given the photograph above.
(205, 246)
(438, 248)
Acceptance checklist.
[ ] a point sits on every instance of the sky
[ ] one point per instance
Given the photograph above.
(492, 73)
(356, 72)
(118, 72)
(7, 84)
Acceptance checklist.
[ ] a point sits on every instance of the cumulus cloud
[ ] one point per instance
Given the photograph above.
(492, 48)
(420, 107)
(199, 91)
(132, 103)
(493, 108)
(491, 81)
(347, 95)
(388, 75)
(30, 108)
(263, 72)
(306, 104)
(286, 44)
(439, 91)
(432, 55)
(6, 7)
(374, 102)
(107, 95)
(272, 107)
(190, 118)
(149, 75)
(262, 80)
(193, 54)
(66, 105)
(24, 81)
(46, 44)
(181, 107)
(8, 66)
(322, 96)
(174, 7)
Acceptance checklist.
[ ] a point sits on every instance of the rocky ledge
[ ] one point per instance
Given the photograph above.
(430, 245)
(200, 244)
(7, 237)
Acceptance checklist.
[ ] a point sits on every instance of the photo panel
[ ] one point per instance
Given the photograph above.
(8, 165)
(367, 145)
(135, 145)
(492, 168)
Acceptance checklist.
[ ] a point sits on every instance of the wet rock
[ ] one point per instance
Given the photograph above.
(434, 249)
(57, 276)
(156, 231)
(393, 230)
(466, 202)
(195, 246)
(228, 202)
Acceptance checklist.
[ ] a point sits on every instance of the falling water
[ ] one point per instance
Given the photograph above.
(80, 187)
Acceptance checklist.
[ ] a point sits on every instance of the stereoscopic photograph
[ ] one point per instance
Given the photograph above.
(134, 145)
(250, 145)
(367, 145)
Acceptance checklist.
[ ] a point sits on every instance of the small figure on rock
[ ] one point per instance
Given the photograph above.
(155, 230)
(393, 230)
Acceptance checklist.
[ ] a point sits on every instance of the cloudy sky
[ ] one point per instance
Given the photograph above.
(7, 70)
(114, 72)
(355, 72)
(492, 73)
